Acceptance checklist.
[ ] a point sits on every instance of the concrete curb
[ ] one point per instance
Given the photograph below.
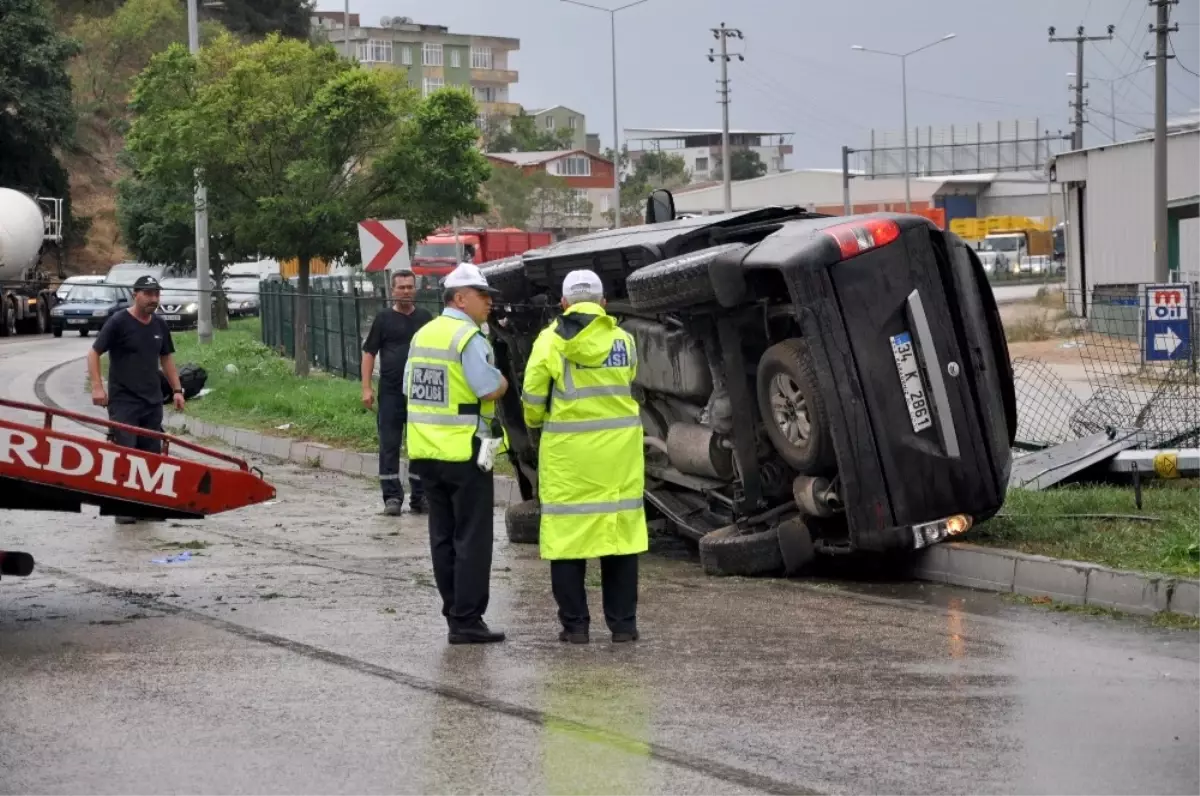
(1072, 582)
(313, 454)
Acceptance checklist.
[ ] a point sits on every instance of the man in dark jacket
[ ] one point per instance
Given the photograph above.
(391, 333)
(138, 343)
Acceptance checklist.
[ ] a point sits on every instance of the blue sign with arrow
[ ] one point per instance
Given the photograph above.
(1168, 332)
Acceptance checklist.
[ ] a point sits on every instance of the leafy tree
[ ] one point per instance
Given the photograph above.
(258, 18)
(510, 195)
(653, 170)
(520, 133)
(745, 165)
(36, 114)
(538, 200)
(302, 145)
(115, 48)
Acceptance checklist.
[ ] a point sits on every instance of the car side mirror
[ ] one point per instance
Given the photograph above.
(660, 206)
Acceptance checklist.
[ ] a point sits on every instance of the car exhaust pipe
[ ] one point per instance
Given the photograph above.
(16, 565)
(816, 497)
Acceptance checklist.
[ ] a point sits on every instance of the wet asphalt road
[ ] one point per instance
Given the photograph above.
(301, 651)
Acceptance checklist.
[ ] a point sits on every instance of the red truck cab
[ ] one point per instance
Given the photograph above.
(438, 254)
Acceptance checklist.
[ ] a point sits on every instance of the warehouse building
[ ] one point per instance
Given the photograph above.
(1110, 211)
(820, 190)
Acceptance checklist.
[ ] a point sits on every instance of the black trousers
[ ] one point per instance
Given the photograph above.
(460, 536)
(618, 584)
(141, 415)
(390, 420)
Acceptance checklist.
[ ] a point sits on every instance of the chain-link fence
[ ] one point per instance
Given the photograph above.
(338, 320)
(1120, 366)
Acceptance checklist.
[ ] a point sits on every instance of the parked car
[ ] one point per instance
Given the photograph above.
(241, 296)
(808, 384)
(179, 302)
(125, 274)
(63, 289)
(87, 307)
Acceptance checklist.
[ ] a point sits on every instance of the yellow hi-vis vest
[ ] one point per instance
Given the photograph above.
(591, 469)
(443, 412)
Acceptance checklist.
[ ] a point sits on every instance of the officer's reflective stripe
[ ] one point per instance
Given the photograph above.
(535, 400)
(592, 508)
(442, 420)
(395, 477)
(620, 390)
(466, 329)
(569, 426)
(436, 354)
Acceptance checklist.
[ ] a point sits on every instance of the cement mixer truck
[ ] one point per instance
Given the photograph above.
(26, 295)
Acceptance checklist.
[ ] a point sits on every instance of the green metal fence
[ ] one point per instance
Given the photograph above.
(338, 322)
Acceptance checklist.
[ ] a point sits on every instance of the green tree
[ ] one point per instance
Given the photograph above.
(303, 145)
(36, 113)
(520, 134)
(116, 47)
(511, 196)
(745, 165)
(258, 18)
(653, 170)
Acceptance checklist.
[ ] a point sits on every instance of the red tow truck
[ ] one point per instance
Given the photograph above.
(438, 254)
(45, 469)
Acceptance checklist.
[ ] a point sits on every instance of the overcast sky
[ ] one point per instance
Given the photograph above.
(800, 74)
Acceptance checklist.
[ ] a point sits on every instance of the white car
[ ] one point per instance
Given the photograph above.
(83, 279)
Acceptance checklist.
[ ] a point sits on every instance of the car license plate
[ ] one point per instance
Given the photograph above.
(76, 321)
(910, 381)
(170, 317)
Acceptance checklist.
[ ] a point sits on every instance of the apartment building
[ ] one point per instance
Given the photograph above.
(588, 176)
(701, 149)
(433, 56)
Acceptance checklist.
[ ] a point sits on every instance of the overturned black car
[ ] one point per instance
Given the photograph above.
(808, 384)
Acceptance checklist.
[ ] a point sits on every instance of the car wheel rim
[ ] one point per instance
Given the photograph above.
(789, 410)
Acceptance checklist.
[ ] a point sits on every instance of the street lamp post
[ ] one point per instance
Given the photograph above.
(904, 100)
(203, 278)
(612, 19)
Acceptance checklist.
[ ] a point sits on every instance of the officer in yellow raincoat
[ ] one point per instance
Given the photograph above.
(591, 470)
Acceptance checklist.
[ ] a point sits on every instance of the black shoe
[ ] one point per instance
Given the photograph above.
(478, 633)
(126, 520)
(574, 637)
(393, 507)
(416, 505)
(625, 638)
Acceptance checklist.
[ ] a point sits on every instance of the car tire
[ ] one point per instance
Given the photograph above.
(787, 386)
(508, 276)
(522, 522)
(677, 282)
(43, 317)
(727, 552)
(8, 318)
(57, 331)
(795, 545)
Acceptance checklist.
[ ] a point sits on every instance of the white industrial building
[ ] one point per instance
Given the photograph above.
(1110, 211)
(820, 190)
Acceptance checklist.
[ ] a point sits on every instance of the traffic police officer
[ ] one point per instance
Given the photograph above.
(451, 385)
(591, 469)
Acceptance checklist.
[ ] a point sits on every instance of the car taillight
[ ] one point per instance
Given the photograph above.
(857, 237)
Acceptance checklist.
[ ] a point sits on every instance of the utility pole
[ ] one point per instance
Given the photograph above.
(346, 28)
(1080, 38)
(1161, 29)
(723, 34)
(203, 277)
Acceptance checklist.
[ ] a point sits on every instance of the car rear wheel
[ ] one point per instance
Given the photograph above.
(793, 410)
(8, 321)
(56, 331)
(522, 522)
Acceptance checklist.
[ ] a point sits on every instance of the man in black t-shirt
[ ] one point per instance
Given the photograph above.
(391, 333)
(138, 343)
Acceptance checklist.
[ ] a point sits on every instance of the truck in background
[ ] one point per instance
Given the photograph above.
(27, 225)
(438, 254)
(1017, 251)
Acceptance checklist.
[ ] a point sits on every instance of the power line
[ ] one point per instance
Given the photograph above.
(1179, 62)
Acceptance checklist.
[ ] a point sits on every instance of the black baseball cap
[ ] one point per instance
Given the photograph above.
(145, 283)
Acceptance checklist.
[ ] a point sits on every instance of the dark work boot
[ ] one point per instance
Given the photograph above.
(126, 520)
(416, 505)
(475, 633)
(574, 636)
(393, 507)
(625, 638)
